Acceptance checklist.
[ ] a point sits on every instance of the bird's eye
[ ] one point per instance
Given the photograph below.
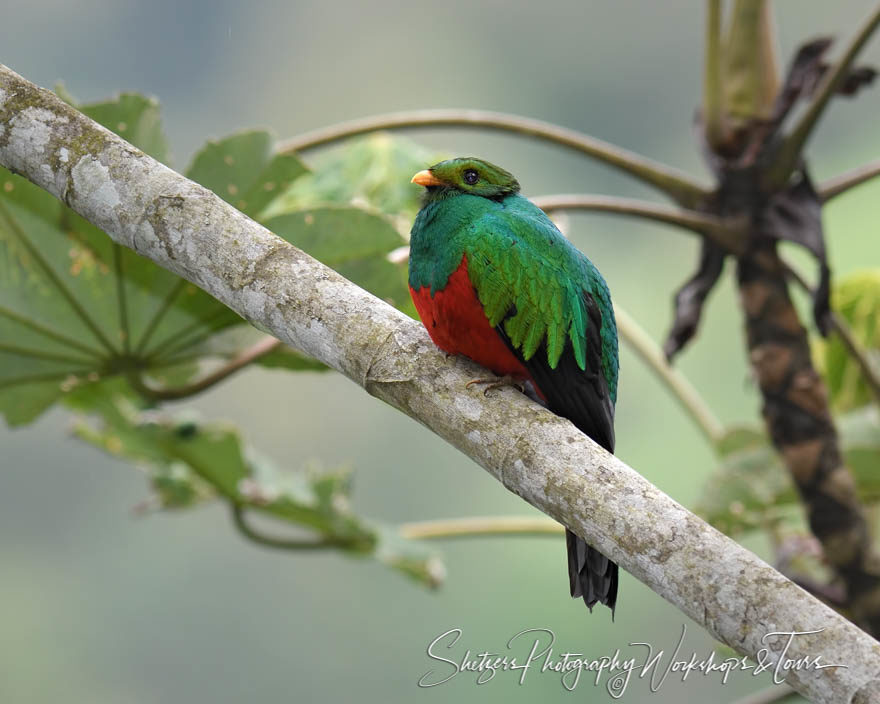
(470, 177)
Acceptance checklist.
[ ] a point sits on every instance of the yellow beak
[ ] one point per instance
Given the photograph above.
(426, 178)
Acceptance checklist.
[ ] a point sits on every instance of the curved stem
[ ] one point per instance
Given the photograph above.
(850, 179)
(793, 145)
(260, 349)
(478, 527)
(725, 233)
(242, 526)
(674, 183)
(651, 354)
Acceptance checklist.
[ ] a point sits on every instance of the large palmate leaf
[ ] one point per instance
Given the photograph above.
(354, 242)
(857, 299)
(76, 308)
(190, 462)
(244, 170)
(374, 170)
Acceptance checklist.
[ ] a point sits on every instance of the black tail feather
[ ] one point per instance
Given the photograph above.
(591, 575)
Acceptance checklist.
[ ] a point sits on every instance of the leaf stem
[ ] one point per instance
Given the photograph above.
(55, 279)
(726, 233)
(793, 145)
(42, 354)
(173, 293)
(849, 179)
(43, 330)
(260, 349)
(479, 527)
(120, 298)
(248, 532)
(651, 354)
(676, 184)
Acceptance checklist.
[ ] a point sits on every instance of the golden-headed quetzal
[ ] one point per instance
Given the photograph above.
(493, 279)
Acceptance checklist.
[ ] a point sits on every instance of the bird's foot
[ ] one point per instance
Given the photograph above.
(497, 382)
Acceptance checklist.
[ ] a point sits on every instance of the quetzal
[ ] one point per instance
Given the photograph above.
(493, 279)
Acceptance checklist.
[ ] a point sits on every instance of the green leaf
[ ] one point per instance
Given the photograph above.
(244, 171)
(374, 171)
(190, 461)
(75, 308)
(353, 241)
(857, 299)
(136, 119)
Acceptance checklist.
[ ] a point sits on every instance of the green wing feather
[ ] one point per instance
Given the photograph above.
(518, 261)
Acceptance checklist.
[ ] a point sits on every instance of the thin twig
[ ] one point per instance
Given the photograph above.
(253, 353)
(849, 179)
(481, 526)
(676, 184)
(726, 233)
(241, 524)
(794, 143)
(651, 354)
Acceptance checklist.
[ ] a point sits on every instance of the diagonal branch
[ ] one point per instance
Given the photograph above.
(790, 151)
(183, 227)
(850, 179)
(674, 183)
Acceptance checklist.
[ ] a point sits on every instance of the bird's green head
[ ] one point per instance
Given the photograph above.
(466, 175)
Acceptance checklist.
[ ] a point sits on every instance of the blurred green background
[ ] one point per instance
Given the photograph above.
(99, 606)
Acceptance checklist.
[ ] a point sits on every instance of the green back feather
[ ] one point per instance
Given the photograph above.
(517, 260)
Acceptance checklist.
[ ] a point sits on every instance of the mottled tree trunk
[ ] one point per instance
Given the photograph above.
(799, 422)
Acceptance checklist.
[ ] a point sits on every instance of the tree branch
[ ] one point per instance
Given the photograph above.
(674, 183)
(729, 234)
(725, 233)
(850, 179)
(793, 145)
(541, 457)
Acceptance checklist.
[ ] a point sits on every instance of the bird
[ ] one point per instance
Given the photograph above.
(493, 279)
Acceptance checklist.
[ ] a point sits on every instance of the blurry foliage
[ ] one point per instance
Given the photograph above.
(752, 490)
(856, 298)
(94, 325)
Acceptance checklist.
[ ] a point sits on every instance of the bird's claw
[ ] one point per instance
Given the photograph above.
(497, 383)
